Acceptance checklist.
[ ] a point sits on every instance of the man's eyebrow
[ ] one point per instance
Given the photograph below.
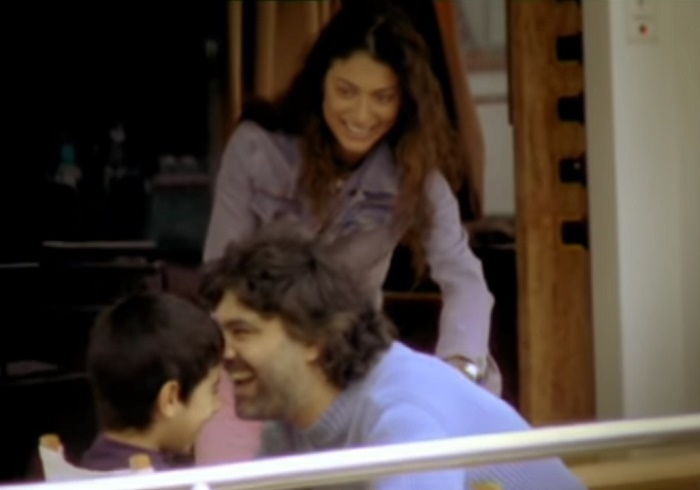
(237, 323)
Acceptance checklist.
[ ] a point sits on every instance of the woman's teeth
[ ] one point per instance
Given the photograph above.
(357, 131)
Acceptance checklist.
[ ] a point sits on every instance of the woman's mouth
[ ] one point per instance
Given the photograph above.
(358, 132)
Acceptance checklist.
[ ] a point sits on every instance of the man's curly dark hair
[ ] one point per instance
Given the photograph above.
(282, 273)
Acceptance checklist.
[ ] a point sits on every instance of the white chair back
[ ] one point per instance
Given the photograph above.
(56, 468)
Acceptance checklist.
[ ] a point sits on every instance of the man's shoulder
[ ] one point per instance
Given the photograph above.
(429, 386)
(400, 364)
(405, 375)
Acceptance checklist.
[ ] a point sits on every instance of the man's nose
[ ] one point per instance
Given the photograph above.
(229, 351)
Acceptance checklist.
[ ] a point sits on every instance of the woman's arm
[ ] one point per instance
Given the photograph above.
(465, 319)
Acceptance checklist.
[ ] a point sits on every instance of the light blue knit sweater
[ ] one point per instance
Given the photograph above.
(409, 396)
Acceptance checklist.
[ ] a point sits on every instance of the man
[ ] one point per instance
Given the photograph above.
(308, 349)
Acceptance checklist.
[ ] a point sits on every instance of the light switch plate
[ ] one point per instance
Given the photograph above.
(642, 21)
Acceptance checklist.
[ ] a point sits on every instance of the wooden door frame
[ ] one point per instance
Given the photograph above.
(554, 293)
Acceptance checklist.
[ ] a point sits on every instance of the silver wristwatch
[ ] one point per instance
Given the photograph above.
(470, 368)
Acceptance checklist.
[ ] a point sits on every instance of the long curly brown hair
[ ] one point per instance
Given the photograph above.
(422, 140)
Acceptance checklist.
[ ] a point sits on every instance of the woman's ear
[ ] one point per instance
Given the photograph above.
(168, 401)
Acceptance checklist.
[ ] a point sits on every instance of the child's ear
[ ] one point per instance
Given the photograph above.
(169, 398)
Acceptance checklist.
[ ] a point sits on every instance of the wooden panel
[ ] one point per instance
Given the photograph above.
(235, 22)
(677, 470)
(265, 59)
(556, 366)
(285, 33)
(468, 121)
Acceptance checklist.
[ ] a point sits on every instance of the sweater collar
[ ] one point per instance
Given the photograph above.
(333, 423)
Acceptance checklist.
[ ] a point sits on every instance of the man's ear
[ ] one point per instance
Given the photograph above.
(313, 352)
(168, 400)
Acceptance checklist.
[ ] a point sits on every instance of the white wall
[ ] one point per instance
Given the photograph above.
(643, 171)
(686, 16)
(484, 23)
(490, 91)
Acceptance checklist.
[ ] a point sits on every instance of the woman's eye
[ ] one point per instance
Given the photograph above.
(345, 91)
(385, 98)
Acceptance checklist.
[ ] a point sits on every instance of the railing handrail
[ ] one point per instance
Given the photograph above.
(358, 464)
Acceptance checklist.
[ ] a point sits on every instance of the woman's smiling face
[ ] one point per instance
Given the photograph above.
(361, 101)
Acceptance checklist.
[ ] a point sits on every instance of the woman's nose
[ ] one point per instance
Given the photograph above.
(363, 111)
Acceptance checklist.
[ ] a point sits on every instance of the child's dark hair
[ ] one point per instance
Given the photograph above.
(138, 345)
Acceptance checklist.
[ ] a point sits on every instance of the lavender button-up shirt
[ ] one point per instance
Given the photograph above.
(258, 184)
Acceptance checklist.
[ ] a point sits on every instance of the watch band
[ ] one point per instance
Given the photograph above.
(470, 368)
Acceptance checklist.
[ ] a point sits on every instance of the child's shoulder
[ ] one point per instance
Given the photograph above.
(107, 454)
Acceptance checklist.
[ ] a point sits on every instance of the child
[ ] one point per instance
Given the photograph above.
(154, 363)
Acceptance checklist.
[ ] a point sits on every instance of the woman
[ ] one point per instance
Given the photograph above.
(359, 150)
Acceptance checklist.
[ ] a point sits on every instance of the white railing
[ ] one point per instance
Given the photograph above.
(359, 464)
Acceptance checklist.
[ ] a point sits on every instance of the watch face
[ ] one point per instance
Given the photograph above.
(472, 370)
